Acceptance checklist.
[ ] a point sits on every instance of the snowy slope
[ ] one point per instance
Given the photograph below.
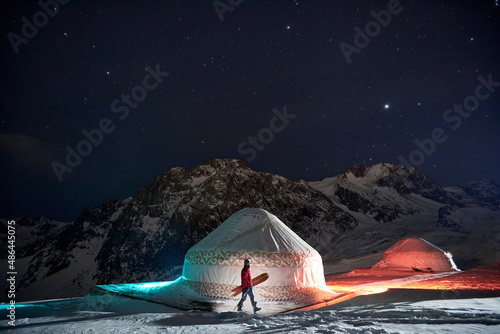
(411, 308)
(392, 312)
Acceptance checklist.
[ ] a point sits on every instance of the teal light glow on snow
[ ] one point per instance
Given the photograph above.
(135, 289)
(146, 287)
(19, 305)
(49, 304)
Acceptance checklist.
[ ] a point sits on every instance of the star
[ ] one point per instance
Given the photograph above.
(386, 106)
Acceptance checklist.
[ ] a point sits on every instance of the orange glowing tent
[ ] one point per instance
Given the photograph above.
(416, 254)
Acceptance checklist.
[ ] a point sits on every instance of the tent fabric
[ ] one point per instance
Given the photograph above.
(412, 254)
(213, 266)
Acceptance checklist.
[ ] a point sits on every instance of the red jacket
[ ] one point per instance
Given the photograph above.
(246, 278)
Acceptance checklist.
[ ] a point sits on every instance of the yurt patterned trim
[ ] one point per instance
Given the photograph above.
(212, 290)
(275, 293)
(265, 259)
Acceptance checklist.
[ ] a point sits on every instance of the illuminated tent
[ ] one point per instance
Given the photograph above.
(416, 254)
(213, 266)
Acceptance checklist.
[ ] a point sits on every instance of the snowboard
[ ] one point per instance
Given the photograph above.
(255, 281)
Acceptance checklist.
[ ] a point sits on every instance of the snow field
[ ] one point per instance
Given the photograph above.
(391, 312)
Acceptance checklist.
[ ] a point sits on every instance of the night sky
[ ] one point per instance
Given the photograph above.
(303, 89)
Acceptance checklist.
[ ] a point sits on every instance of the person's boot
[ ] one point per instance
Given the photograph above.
(256, 309)
(239, 307)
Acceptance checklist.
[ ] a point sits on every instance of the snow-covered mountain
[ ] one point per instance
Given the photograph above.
(385, 192)
(391, 202)
(355, 215)
(484, 191)
(28, 231)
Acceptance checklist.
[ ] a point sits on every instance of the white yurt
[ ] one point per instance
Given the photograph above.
(213, 266)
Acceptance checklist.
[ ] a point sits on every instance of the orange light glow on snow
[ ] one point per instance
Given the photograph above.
(376, 281)
(373, 291)
(340, 288)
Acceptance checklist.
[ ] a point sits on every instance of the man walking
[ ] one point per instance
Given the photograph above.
(246, 287)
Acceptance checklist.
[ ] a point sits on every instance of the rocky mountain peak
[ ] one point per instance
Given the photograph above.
(28, 221)
(484, 191)
(219, 166)
(225, 164)
(358, 170)
(208, 169)
(383, 191)
(404, 180)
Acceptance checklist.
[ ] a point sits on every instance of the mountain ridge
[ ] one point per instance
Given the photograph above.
(145, 237)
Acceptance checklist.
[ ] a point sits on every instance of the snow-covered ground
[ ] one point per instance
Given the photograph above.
(374, 301)
(395, 311)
